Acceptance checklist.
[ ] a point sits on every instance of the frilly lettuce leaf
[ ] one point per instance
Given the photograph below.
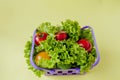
(64, 54)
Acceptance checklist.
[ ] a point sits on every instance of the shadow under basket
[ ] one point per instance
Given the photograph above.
(72, 71)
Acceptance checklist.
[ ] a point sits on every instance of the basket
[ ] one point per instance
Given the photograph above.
(72, 71)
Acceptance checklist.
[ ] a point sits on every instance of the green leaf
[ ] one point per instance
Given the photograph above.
(72, 28)
(64, 66)
(63, 54)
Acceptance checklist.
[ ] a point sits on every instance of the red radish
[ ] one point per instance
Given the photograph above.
(85, 44)
(40, 37)
(61, 35)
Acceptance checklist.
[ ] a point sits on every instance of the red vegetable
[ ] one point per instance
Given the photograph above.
(85, 44)
(61, 35)
(40, 37)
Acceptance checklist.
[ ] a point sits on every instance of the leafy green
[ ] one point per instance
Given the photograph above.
(86, 33)
(48, 28)
(27, 56)
(72, 28)
(64, 66)
(64, 54)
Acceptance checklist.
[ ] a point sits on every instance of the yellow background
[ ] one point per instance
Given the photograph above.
(18, 19)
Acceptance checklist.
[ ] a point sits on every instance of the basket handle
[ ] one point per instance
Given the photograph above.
(95, 44)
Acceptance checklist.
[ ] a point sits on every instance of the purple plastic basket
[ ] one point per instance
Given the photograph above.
(72, 71)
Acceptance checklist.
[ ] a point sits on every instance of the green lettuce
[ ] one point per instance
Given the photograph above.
(72, 28)
(27, 57)
(64, 54)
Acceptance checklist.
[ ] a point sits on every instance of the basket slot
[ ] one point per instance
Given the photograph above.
(48, 72)
(70, 71)
(74, 73)
(64, 74)
(59, 71)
